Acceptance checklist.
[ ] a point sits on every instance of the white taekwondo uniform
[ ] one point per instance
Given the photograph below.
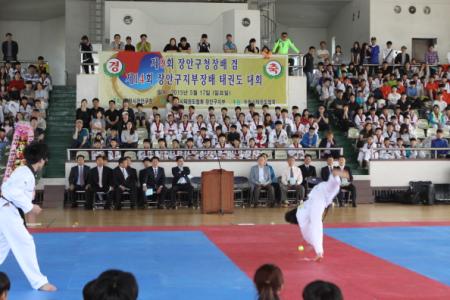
(18, 192)
(309, 216)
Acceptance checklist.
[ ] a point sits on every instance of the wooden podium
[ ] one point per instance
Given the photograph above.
(217, 191)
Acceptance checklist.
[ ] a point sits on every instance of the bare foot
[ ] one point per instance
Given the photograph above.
(318, 258)
(48, 287)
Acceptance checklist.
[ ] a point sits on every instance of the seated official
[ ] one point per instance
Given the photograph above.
(181, 181)
(142, 175)
(155, 180)
(131, 170)
(292, 179)
(308, 171)
(78, 179)
(99, 180)
(260, 178)
(125, 180)
(346, 185)
(328, 169)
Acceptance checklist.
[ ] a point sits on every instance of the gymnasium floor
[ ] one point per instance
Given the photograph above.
(372, 252)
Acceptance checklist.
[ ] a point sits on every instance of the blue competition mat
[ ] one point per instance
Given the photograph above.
(424, 250)
(168, 265)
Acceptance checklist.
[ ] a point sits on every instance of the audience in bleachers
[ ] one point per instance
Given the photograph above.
(24, 94)
(399, 102)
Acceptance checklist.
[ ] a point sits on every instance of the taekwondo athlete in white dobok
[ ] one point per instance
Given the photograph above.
(309, 216)
(17, 193)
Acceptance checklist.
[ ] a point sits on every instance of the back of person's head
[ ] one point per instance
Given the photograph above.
(5, 286)
(112, 285)
(34, 152)
(322, 290)
(269, 281)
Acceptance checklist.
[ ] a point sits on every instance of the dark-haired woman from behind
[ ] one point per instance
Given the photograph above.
(269, 282)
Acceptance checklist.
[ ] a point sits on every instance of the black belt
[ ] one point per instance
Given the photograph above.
(21, 212)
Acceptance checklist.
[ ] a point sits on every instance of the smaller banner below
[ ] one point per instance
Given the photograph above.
(201, 80)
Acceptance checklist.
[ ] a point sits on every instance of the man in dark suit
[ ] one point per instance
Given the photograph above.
(402, 58)
(10, 48)
(99, 180)
(78, 179)
(124, 181)
(142, 177)
(328, 169)
(155, 180)
(130, 169)
(347, 186)
(181, 182)
(308, 171)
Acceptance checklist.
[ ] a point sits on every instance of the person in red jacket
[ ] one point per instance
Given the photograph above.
(15, 86)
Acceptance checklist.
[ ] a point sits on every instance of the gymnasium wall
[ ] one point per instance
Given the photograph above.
(398, 173)
(350, 24)
(162, 20)
(401, 28)
(46, 38)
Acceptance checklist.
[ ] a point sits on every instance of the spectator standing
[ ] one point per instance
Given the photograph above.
(402, 58)
(282, 46)
(355, 54)
(184, 46)
(204, 46)
(251, 47)
(117, 44)
(143, 45)
(10, 48)
(86, 46)
(323, 53)
(338, 57)
(388, 53)
(128, 45)
(431, 56)
(374, 51)
(171, 46)
(229, 46)
(308, 65)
